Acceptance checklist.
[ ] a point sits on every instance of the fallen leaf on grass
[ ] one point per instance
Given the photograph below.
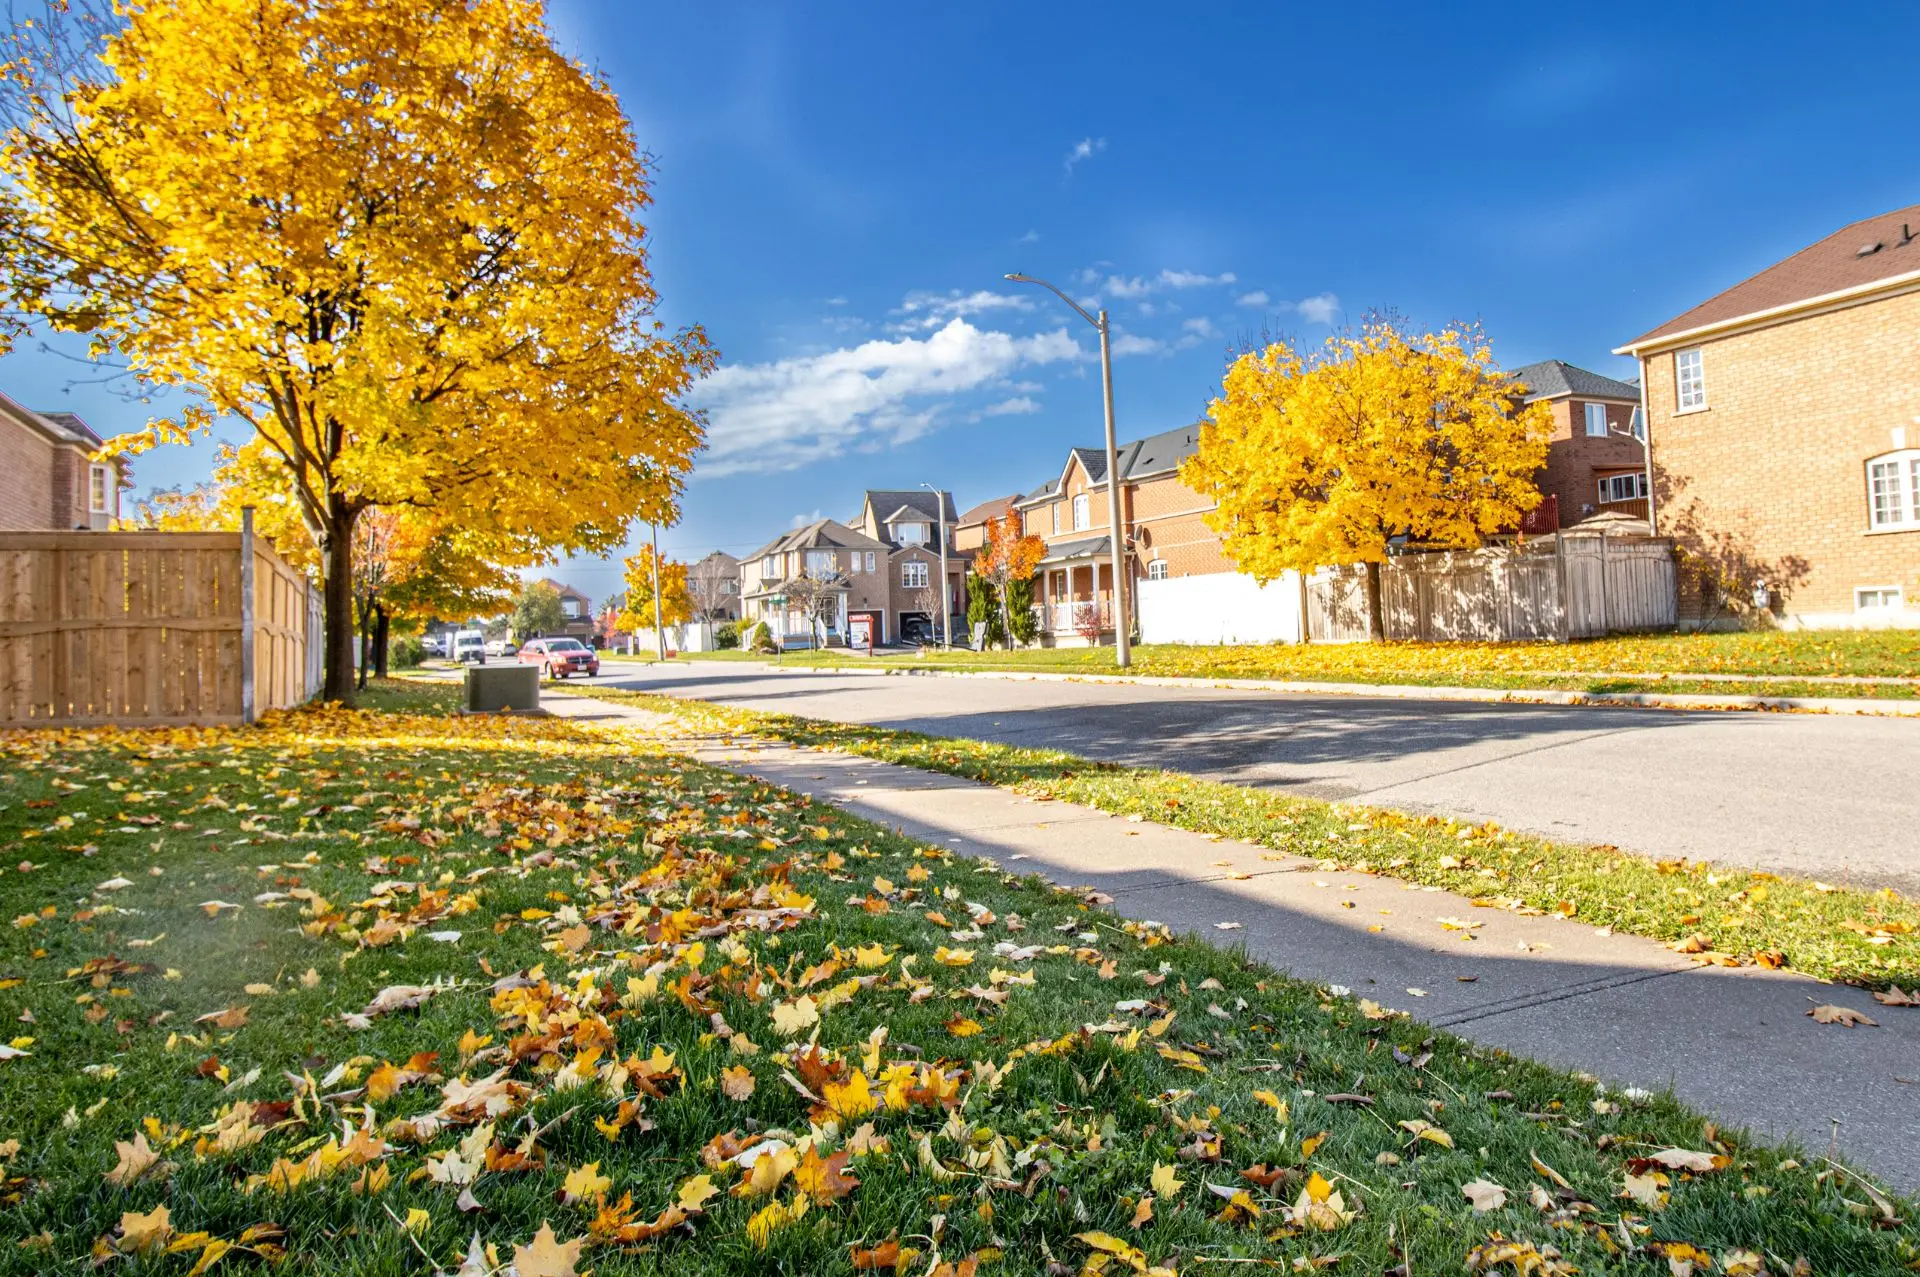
(546, 1255)
(583, 1184)
(139, 1233)
(1484, 1194)
(737, 1083)
(888, 1254)
(1846, 1017)
(138, 1161)
(229, 1019)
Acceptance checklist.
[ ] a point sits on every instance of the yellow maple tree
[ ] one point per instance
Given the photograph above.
(1323, 458)
(402, 242)
(676, 604)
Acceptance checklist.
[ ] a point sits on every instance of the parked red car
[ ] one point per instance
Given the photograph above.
(560, 657)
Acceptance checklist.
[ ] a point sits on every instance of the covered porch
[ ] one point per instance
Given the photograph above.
(1073, 594)
(791, 625)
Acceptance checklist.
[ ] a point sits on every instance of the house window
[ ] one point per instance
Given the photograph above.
(913, 575)
(1689, 380)
(1639, 426)
(1623, 487)
(819, 562)
(770, 565)
(1596, 421)
(1081, 513)
(870, 566)
(1893, 490)
(101, 484)
(1877, 598)
(1054, 510)
(910, 533)
(1157, 570)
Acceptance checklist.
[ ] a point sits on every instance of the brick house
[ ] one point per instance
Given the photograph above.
(713, 583)
(1784, 417)
(1162, 518)
(970, 533)
(1595, 460)
(853, 564)
(49, 481)
(578, 611)
(910, 522)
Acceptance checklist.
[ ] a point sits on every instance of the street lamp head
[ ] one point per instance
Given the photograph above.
(1018, 278)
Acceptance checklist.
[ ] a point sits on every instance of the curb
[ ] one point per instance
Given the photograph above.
(1857, 705)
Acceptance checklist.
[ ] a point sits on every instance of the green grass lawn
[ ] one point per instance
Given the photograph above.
(1720, 913)
(350, 990)
(1776, 663)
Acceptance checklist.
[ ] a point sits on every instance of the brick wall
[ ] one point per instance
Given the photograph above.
(1769, 480)
(26, 479)
(1169, 523)
(1577, 460)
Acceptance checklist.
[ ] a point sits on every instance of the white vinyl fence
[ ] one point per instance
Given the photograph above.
(1220, 607)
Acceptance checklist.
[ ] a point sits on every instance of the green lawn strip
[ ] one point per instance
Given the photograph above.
(1783, 660)
(1869, 938)
(190, 854)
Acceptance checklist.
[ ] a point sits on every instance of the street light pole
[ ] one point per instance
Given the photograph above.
(946, 591)
(659, 631)
(1122, 636)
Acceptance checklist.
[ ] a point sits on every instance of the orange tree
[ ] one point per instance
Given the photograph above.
(402, 242)
(1319, 459)
(676, 605)
(1007, 555)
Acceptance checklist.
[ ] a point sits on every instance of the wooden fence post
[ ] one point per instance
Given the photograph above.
(1566, 592)
(246, 614)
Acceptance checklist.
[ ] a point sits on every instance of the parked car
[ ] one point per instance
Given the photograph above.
(435, 645)
(560, 657)
(470, 645)
(916, 629)
(501, 647)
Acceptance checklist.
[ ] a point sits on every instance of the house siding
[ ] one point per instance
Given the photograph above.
(26, 479)
(1770, 478)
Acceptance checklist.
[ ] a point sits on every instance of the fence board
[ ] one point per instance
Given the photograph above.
(1571, 587)
(145, 628)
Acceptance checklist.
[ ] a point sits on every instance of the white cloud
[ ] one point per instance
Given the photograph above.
(1201, 327)
(1257, 297)
(1135, 287)
(1134, 344)
(1085, 148)
(782, 415)
(1319, 309)
(1031, 237)
(927, 310)
(1192, 279)
(1017, 407)
(802, 520)
(836, 301)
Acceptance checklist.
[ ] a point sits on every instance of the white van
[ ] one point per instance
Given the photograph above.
(470, 645)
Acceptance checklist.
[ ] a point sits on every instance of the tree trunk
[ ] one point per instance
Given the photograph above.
(382, 624)
(1006, 616)
(336, 554)
(366, 647)
(1376, 618)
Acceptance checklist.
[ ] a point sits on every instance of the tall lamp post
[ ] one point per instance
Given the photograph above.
(946, 590)
(1122, 638)
(659, 630)
(1644, 438)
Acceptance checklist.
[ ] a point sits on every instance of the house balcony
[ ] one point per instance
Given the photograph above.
(1075, 622)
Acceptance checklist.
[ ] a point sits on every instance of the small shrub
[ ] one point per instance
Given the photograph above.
(726, 636)
(405, 652)
(758, 638)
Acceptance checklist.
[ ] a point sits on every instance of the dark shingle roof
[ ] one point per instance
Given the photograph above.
(1158, 454)
(1553, 378)
(1075, 549)
(987, 510)
(919, 498)
(1841, 261)
(1048, 489)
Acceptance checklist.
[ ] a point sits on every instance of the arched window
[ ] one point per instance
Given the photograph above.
(1893, 490)
(1157, 570)
(1081, 513)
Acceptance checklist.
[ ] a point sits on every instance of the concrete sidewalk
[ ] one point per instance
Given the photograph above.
(1736, 1044)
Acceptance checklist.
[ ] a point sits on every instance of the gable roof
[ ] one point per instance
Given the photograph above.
(1159, 454)
(987, 510)
(562, 589)
(1556, 378)
(1046, 491)
(907, 512)
(820, 534)
(919, 499)
(1855, 258)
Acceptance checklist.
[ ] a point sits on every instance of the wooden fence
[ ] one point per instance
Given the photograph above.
(151, 628)
(1557, 589)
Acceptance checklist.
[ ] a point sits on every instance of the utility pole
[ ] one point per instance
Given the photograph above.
(946, 591)
(1117, 538)
(659, 630)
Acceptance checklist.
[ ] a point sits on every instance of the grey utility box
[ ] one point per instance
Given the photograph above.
(492, 689)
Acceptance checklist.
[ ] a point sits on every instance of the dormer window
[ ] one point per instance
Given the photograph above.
(910, 533)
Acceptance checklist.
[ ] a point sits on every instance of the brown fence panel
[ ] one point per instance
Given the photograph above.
(145, 628)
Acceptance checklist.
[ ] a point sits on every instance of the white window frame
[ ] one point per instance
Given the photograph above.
(910, 533)
(770, 565)
(870, 566)
(819, 562)
(1157, 570)
(1689, 380)
(1637, 486)
(1597, 416)
(1899, 602)
(1893, 491)
(100, 488)
(913, 575)
(1082, 513)
(1055, 509)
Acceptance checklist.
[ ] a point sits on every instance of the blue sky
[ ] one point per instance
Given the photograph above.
(841, 187)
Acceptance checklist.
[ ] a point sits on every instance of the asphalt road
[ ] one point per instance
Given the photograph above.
(1826, 796)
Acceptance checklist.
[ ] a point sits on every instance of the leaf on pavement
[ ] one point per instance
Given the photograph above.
(1845, 1017)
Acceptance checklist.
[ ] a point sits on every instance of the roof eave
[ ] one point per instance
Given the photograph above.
(1655, 340)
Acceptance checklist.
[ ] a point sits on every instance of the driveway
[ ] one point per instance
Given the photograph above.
(1828, 797)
